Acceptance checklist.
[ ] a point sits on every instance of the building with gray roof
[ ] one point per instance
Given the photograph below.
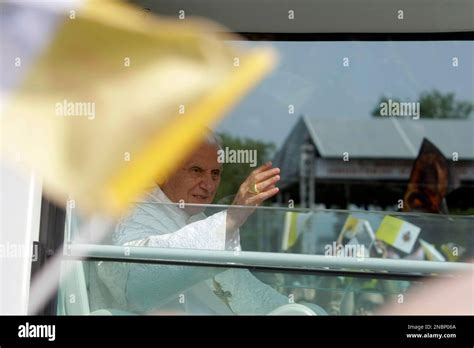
(342, 161)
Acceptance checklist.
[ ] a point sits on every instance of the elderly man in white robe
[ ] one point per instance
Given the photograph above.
(160, 222)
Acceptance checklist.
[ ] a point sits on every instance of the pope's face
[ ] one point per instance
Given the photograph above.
(197, 180)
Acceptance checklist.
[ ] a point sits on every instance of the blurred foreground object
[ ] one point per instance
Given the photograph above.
(454, 296)
(118, 99)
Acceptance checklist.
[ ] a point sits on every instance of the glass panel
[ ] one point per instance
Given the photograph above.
(330, 118)
(299, 231)
(104, 287)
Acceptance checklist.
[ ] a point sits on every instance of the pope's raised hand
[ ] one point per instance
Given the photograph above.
(258, 187)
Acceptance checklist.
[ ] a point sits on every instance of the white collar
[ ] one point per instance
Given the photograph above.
(157, 195)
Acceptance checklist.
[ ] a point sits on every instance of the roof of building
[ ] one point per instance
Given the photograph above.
(389, 137)
(375, 138)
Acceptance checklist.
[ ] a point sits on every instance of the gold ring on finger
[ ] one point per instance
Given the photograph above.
(253, 189)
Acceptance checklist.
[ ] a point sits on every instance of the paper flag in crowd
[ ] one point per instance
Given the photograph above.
(453, 251)
(430, 251)
(359, 232)
(116, 100)
(397, 233)
(294, 225)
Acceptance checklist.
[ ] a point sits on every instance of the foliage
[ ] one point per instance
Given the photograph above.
(234, 174)
(434, 104)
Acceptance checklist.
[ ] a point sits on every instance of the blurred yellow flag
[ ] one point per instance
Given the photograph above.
(119, 99)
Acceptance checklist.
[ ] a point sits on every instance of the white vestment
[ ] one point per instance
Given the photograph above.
(142, 288)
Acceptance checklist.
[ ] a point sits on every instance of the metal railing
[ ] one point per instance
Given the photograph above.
(383, 268)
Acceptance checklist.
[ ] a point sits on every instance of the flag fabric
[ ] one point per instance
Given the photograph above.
(354, 226)
(116, 101)
(397, 233)
(357, 231)
(453, 251)
(430, 251)
(294, 225)
(431, 179)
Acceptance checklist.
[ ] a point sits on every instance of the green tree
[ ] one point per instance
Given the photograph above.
(434, 104)
(233, 174)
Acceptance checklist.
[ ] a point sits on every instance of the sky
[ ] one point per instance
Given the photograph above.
(311, 76)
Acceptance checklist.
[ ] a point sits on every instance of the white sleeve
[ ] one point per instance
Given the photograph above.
(144, 287)
(246, 294)
(206, 234)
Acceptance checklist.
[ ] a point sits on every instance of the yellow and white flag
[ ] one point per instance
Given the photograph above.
(430, 251)
(357, 231)
(399, 234)
(294, 225)
(117, 100)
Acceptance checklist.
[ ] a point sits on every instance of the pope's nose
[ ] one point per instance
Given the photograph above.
(207, 184)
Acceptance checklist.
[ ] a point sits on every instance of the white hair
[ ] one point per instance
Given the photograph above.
(213, 139)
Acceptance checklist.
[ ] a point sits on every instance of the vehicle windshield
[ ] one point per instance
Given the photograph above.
(368, 193)
(327, 232)
(320, 259)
